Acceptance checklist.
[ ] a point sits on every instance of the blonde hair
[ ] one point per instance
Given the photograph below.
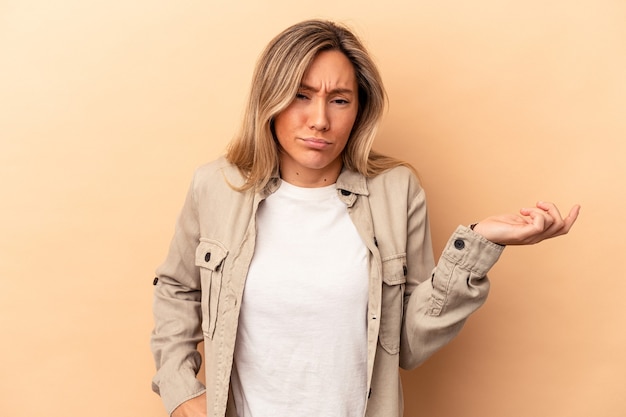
(275, 82)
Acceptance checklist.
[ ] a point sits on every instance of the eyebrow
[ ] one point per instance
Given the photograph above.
(333, 91)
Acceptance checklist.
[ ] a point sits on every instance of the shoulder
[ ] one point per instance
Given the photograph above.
(396, 181)
(217, 173)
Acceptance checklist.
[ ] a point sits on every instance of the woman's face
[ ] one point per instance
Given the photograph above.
(314, 129)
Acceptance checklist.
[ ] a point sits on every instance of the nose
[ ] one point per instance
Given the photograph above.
(318, 117)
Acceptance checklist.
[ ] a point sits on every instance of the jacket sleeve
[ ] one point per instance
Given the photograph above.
(437, 304)
(177, 314)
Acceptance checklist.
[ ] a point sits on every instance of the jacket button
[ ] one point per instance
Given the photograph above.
(155, 281)
(459, 244)
(207, 257)
(345, 192)
(405, 270)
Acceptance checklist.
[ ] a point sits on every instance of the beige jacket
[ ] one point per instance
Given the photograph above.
(414, 308)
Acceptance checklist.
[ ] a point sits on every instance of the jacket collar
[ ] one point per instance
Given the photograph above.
(352, 182)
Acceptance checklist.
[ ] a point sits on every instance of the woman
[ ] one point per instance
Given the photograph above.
(303, 259)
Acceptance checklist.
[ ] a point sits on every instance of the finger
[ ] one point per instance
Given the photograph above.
(542, 224)
(552, 209)
(571, 217)
(547, 221)
(537, 221)
(541, 218)
(564, 224)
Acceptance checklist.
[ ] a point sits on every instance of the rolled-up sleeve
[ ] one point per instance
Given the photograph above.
(436, 307)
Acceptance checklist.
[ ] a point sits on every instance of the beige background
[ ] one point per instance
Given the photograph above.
(106, 107)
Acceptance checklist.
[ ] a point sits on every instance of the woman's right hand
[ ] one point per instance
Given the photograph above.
(196, 407)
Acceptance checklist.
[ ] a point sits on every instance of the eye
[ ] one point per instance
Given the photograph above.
(340, 101)
(301, 96)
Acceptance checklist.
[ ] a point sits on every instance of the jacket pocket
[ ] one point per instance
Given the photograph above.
(392, 308)
(210, 256)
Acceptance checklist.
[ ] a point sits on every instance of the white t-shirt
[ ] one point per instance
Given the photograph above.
(302, 338)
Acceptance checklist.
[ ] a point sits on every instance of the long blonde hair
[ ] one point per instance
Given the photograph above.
(275, 83)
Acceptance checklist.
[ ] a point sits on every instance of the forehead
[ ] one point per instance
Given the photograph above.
(330, 69)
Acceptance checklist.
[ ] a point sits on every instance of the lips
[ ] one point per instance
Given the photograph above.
(316, 143)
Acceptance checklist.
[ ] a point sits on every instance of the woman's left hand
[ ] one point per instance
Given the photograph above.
(531, 226)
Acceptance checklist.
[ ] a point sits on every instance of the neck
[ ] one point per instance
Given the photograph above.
(308, 177)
